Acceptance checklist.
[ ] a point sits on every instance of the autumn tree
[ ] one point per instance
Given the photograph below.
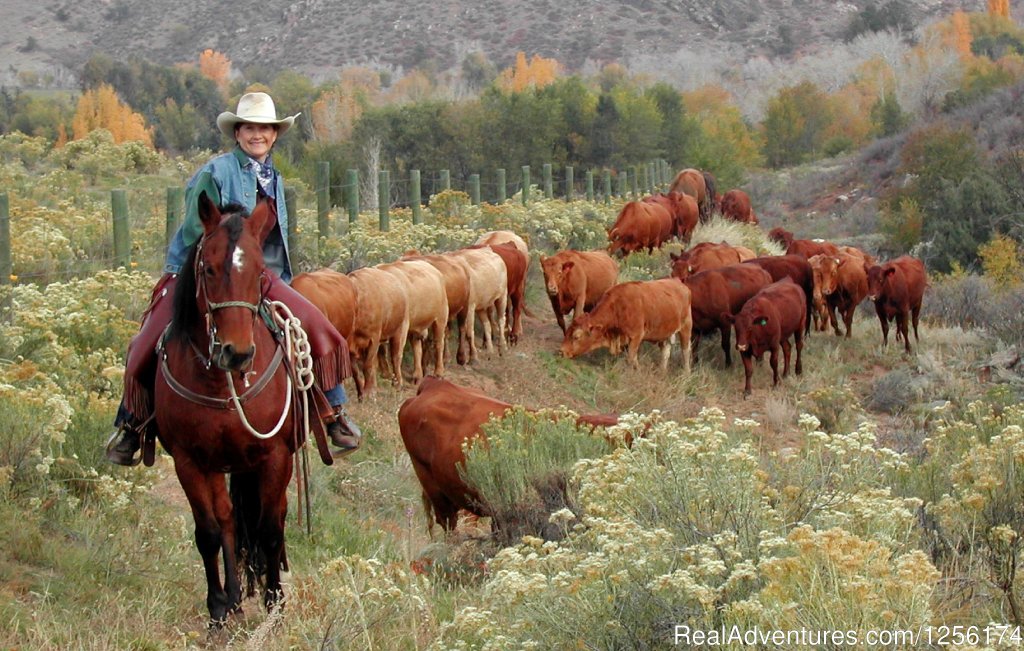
(795, 124)
(999, 8)
(536, 73)
(216, 67)
(103, 109)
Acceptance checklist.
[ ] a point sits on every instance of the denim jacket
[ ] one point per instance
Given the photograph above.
(228, 178)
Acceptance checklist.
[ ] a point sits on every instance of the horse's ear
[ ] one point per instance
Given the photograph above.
(262, 221)
(209, 214)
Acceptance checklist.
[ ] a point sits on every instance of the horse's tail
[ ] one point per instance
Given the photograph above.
(246, 507)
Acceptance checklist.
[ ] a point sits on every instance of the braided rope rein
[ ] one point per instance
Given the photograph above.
(297, 349)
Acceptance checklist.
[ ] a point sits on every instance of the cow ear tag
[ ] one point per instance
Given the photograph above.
(762, 321)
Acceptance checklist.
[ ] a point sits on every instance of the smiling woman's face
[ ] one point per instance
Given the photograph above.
(256, 139)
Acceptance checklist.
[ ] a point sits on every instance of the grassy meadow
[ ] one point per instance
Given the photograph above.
(876, 491)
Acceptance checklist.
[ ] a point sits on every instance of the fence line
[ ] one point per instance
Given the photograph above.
(391, 192)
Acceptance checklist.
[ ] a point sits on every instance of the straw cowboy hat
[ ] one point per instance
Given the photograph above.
(257, 108)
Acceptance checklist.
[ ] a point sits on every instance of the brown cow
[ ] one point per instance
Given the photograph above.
(516, 264)
(684, 211)
(333, 293)
(435, 423)
(382, 314)
(693, 183)
(795, 267)
(722, 291)
(897, 288)
(808, 248)
(576, 280)
(501, 237)
(840, 283)
(766, 322)
(639, 226)
(781, 235)
(736, 206)
(707, 255)
(631, 313)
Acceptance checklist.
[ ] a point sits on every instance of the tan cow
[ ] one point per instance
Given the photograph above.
(577, 287)
(382, 314)
(428, 310)
(501, 237)
(488, 296)
(456, 284)
(631, 313)
(840, 283)
(333, 293)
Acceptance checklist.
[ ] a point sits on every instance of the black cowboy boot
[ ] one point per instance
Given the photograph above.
(343, 432)
(123, 445)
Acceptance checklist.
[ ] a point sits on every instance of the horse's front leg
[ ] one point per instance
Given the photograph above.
(224, 511)
(200, 492)
(274, 498)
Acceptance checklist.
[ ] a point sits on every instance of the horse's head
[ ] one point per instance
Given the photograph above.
(228, 273)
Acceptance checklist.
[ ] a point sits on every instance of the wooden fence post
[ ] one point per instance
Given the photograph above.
(122, 234)
(501, 185)
(446, 180)
(570, 182)
(526, 184)
(352, 185)
(643, 180)
(590, 186)
(175, 203)
(384, 200)
(474, 189)
(414, 197)
(323, 199)
(6, 263)
(606, 177)
(548, 186)
(623, 183)
(292, 204)
(634, 179)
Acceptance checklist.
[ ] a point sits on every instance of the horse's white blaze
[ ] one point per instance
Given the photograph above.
(237, 259)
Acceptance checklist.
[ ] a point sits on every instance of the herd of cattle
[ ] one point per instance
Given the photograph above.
(768, 301)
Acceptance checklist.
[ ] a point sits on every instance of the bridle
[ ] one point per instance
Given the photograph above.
(203, 298)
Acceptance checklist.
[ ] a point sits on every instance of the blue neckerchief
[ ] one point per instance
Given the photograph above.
(265, 174)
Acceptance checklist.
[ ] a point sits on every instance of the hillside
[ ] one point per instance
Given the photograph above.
(316, 37)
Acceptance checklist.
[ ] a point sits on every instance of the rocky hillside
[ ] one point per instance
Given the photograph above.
(317, 37)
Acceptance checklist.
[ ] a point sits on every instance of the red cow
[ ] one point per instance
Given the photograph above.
(897, 288)
(790, 266)
(435, 423)
(576, 280)
(707, 255)
(766, 322)
(684, 211)
(781, 235)
(736, 206)
(722, 291)
(808, 248)
(840, 283)
(693, 183)
(639, 226)
(631, 313)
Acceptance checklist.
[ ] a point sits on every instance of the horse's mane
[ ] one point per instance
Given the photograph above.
(186, 314)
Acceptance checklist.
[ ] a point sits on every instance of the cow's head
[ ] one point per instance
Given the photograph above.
(681, 266)
(582, 337)
(751, 328)
(552, 271)
(878, 278)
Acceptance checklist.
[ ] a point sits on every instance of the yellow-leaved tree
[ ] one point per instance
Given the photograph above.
(999, 8)
(535, 73)
(215, 66)
(101, 108)
(335, 113)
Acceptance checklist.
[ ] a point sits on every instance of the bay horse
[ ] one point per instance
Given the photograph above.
(215, 341)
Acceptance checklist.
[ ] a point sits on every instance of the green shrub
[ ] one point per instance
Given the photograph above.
(521, 470)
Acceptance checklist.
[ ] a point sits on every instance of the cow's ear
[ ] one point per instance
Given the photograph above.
(566, 266)
(542, 258)
(674, 257)
(728, 318)
(689, 268)
(840, 262)
(763, 321)
(890, 271)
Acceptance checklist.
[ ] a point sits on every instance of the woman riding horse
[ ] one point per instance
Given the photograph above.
(245, 176)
